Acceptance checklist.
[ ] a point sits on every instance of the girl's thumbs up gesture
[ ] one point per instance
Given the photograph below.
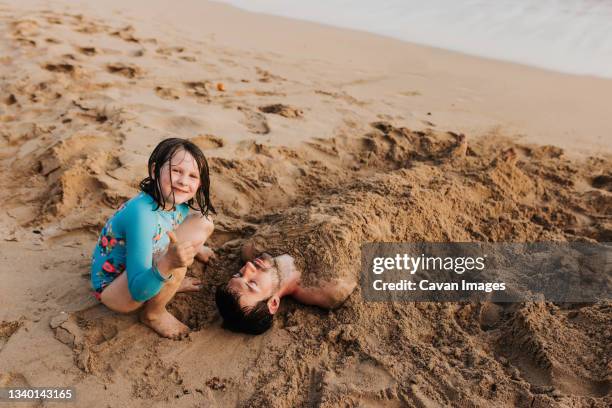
(179, 254)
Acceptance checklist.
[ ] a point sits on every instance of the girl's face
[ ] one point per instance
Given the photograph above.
(181, 176)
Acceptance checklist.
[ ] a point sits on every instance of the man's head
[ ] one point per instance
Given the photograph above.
(250, 298)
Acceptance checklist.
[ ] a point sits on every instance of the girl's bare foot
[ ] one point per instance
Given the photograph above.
(165, 325)
(190, 284)
(205, 254)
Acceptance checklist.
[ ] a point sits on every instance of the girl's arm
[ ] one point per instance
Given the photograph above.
(144, 279)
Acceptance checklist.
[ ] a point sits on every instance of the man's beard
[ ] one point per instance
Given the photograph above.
(278, 278)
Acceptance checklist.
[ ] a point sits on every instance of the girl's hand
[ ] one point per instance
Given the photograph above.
(179, 254)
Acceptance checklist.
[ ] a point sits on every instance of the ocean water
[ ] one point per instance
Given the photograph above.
(572, 36)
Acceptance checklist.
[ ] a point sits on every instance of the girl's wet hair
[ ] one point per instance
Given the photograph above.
(163, 153)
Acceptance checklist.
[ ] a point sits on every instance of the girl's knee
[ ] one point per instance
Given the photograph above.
(196, 228)
(207, 225)
(201, 220)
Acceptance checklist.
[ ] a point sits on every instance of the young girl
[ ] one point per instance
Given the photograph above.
(145, 248)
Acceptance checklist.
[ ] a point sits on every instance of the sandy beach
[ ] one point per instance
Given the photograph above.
(295, 119)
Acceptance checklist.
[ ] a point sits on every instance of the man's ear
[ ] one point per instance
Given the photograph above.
(273, 304)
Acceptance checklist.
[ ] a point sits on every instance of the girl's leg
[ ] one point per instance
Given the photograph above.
(196, 228)
(116, 296)
(154, 314)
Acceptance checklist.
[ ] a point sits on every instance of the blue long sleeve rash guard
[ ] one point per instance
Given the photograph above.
(129, 241)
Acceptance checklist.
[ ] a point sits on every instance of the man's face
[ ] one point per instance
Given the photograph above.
(180, 176)
(256, 281)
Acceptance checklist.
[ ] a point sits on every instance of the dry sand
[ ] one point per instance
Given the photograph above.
(327, 136)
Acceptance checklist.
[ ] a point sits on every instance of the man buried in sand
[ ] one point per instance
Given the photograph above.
(144, 249)
(314, 247)
(305, 270)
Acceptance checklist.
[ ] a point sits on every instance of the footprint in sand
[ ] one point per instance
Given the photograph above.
(166, 93)
(26, 42)
(70, 57)
(89, 51)
(7, 329)
(10, 100)
(101, 340)
(341, 96)
(266, 76)
(82, 335)
(126, 70)
(169, 50)
(207, 142)
(126, 34)
(25, 28)
(62, 67)
(87, 27)
(199, 90)
(54, 20)
(365, 380)
(282, 110)
(138, 53)
(602, 182)
(13, 380)
(254, 121)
